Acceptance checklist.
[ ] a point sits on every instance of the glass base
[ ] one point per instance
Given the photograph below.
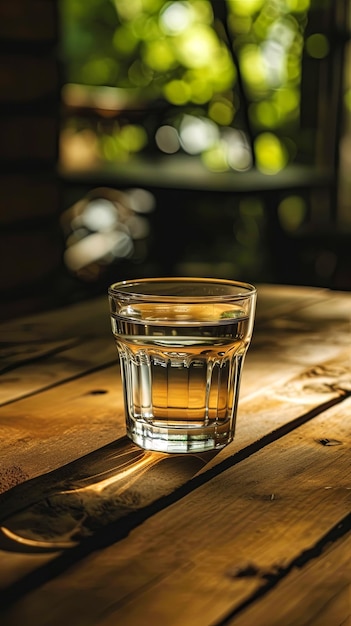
(180, 439)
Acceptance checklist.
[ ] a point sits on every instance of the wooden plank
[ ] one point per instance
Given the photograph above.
(25, 197)
(278, 302)
(320, 591)
(26, 78)
(88, 318)
(57, 426)
(60, 365)
(281, 299)
(115, 467)
(28, 339)
(177, 174)
(29, 137)
(17, 353)
(213, 549)
(32, 21)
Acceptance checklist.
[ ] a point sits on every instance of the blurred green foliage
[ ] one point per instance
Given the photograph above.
(234, 64)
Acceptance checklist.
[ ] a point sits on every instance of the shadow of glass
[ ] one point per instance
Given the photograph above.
(57, 511)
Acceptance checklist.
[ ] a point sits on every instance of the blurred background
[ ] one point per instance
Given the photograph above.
(187, 137)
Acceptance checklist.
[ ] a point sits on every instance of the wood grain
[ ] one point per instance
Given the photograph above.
(320, 590)
(218, 537)
(214, 548)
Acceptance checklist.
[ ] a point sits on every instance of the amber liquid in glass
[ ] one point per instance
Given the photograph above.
(181, 369)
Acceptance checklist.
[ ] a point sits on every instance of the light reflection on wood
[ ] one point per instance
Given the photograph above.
(103, 488)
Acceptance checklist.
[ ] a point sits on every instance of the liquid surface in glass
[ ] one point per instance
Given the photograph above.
(181, 363)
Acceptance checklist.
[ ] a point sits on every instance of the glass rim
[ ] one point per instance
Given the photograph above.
(119, 289)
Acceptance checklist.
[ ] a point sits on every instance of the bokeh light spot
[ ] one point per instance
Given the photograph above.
(197, 47)
(215, 158)
(222, 112)
(317, 46)
(176, 17)
(133, 138)
(347, 99)
(252, 67)
(197, 134)
(167, 139)
(246, 7)
(271, 154)
(177, 92)
(124, 40)
(292, 212)
(158, 55)
(298, 6)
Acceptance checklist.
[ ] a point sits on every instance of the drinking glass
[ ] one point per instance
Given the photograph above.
(181, 345)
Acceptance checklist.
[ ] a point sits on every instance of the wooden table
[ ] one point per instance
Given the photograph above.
(95, 531)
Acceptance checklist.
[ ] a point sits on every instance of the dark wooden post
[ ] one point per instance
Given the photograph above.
(30, 241)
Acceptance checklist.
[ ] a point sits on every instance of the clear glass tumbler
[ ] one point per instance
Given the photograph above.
(182, 344)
